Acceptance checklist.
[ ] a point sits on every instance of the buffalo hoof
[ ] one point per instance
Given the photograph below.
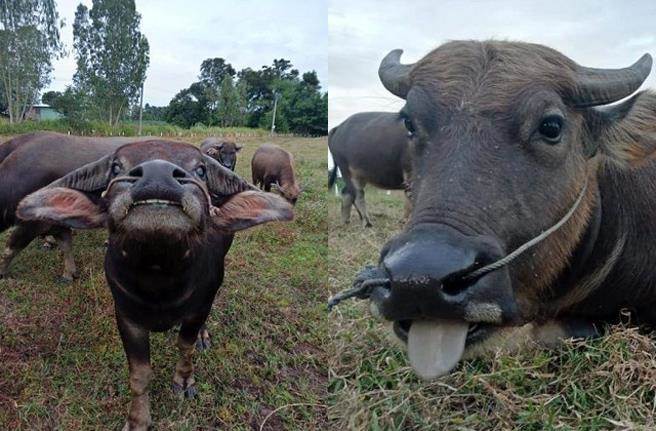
(189, 392)
(368, 225)
(203, 342)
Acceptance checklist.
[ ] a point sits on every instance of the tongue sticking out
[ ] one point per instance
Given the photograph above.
(436, 346)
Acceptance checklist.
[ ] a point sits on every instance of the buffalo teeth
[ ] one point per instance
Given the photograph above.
(155, 202)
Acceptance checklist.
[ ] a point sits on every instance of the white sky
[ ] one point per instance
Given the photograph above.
(610, 33)
(247, 33)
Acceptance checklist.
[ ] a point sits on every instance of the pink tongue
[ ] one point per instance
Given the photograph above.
(436, 346)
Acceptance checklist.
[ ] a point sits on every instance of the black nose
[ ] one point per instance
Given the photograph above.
(428, 267)
(157, 179)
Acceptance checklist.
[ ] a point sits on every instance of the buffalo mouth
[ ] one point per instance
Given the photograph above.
(476, 333)
(156, 203)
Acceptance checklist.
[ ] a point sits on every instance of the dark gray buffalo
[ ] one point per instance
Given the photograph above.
(29, 162)
(222, 150)
(171, 212)
(369, 148)
(534, 205)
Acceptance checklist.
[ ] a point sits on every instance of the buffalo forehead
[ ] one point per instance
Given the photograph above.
(184, 155)
(492, 72)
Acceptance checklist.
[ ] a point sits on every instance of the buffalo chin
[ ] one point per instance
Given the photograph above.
(158, 222)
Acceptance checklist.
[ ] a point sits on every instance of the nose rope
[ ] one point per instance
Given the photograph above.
(522, 248)
(369, 278)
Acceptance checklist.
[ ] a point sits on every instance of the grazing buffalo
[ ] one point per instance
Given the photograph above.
(222, 150)
(534, 204)
(369, 148)
(171, 213)
(29, 162)
(273, 169)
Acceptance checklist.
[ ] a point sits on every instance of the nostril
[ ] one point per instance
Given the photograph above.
(136, 172)
(458, 282)
(179, 173)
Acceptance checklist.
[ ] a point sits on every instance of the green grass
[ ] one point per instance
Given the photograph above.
(63, 366)
(609, 383)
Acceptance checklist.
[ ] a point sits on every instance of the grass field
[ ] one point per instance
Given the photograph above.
(608, 383)
(63, 367)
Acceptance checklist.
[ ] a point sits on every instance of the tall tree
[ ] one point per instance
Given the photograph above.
(214, 70)
(231, 106)
(29, 41)
(112, 55)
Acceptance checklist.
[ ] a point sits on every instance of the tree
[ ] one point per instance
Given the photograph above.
(29, 41)
(214, 70)
(50, 97)
(189, 107)
(231, 103)
(112, 55)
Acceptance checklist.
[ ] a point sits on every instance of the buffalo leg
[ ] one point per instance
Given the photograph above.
(360, 204)
(347, 203)
(136, 343)
(65, 241)
(20, 238)
(183, 379)
(204, 340)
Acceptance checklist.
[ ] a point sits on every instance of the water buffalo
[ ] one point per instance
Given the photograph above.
(369, 148)
(533, 202)
(222, 150)
(31, 161)
(171, 213)
(272, 168)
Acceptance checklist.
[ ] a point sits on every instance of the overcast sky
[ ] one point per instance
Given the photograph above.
(247, 33)
(593, 33)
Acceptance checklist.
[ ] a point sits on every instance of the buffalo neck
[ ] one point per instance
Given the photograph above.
(157, 271)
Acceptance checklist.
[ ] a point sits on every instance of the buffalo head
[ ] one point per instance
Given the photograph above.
(154, 192)
(506, 139)
(223, 151)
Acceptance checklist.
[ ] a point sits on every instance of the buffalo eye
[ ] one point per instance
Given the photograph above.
(409, 126)
(116, 168)
(201, 171)
(551, 128)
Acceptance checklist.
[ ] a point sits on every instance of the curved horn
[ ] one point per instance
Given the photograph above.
(602, 86)
(394, 75)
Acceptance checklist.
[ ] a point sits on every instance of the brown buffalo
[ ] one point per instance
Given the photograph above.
(533, 202)
(222, 150)
(171, 213)
(29, 162)
(369, 148)
(273, 169)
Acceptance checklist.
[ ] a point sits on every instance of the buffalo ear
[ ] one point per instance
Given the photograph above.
(89, 178)
(62, 206)
(250, 208)
(222, 182)
(626, 132)
(238, 147)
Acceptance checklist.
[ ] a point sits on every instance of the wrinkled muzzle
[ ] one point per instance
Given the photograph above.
(422, 285)
(157, 196)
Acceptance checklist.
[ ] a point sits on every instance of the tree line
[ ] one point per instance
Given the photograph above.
(112, 57)
(227, 98)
